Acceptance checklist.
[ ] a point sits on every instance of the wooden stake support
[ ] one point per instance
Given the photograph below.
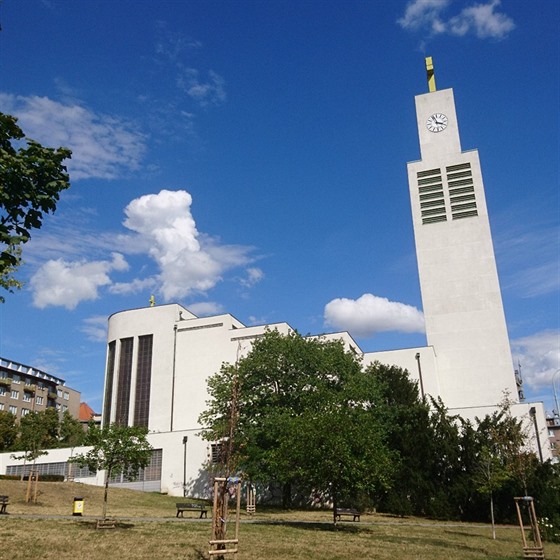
(251, 499)
(222, 492)
(534, 550)
(32, 482)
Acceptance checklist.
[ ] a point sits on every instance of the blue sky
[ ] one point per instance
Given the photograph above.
(250, 157)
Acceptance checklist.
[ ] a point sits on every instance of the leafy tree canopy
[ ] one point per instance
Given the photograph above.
(115, 449)
(306, 415)
(31, 179)
(8, 430)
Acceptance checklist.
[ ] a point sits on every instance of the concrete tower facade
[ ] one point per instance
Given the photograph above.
(462, 303)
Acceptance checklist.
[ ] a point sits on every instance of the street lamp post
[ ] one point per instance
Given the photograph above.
(533, 414)
(185, 440)
(420, 376)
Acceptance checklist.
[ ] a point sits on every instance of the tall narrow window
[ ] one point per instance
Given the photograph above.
(109, 382)
(143, 380)
(123, 385)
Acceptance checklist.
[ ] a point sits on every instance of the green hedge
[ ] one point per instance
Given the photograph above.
(42, 478)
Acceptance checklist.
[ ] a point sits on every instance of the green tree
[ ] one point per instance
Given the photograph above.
(501, 440)
(298, 415)
(31, 179)
(70, 432)
(410, 436)
(115, 449)
(8, 430)
(38, 431)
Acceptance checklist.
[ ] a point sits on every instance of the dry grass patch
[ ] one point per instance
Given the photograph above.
(269, 535)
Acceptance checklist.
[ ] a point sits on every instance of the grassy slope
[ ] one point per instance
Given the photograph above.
(278, 535)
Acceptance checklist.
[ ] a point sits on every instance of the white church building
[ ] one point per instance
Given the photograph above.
(160, 357)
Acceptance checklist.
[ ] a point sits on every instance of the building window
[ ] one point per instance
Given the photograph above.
(16, 379)
(123, 384)
(39, 400)
(13, 409)
(59, 393)
(15, 395)
(1, 406)
(2, 391)
(26, 397)
(66, 396)
(143, 381)
(216, 453)
(150, 473)
(109, 382)
(25, 411)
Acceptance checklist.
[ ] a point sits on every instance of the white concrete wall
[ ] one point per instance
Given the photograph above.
(461, 295)
(406, 359)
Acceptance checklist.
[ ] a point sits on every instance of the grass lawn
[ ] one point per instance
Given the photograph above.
(268, 535)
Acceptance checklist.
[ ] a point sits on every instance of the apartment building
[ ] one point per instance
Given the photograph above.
(25, 389)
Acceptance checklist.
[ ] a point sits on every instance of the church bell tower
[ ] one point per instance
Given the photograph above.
(461, 297)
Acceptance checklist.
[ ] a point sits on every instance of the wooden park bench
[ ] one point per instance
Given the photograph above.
(349, 512)
(4, 501)
(201, 508)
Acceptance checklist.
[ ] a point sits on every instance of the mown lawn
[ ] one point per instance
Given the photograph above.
(268, 535)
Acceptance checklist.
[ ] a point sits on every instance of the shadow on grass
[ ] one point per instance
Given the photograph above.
(92, 525)
(316, 526)
(434, 542)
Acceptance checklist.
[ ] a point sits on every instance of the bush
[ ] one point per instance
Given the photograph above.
(46, 477)
(550, 529)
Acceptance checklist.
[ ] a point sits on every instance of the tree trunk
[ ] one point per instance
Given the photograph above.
(287, 495)
(105, 494)
(492, 516)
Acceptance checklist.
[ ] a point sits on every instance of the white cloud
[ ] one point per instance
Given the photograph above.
(102, 146)
(205, 93)
(539, 356)
(481, 20)
(188, 260)
(254, 276)
(66, 284)
(370, 314)
(205, 308)
(71, 264)
(95, 328)
(422, 13)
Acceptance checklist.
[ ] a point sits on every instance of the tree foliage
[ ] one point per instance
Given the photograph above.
(311, 418)
(306, 417)
(31, 179)
(37, 431)
(8, 430)
(115, 449)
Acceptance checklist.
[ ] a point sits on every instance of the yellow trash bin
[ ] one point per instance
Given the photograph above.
(78, 506)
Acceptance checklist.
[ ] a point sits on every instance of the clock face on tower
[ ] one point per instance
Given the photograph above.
(437, 122)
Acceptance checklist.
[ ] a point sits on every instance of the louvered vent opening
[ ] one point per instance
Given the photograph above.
(430, 192)
(461, 191)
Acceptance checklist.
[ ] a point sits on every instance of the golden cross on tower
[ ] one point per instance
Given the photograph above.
(431, 75)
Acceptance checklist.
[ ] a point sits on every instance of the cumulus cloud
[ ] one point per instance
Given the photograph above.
(539, 356)
(481, 20)
(103, 146)
(188, 260)
(161, 227)
(371, 314)
(65, 284)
